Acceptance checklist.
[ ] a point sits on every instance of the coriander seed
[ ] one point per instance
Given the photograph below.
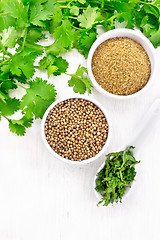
(76, 129)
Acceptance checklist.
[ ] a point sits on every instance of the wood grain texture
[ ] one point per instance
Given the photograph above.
(42, 198)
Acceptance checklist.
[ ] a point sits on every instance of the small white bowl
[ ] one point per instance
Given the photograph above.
(136, 36)
(103, 150)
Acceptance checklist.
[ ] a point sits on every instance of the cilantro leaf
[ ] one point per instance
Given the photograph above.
(19, 126)
(56, 48)
(78, 82)
(20, 64)
(41, 12)
(148, 29)
(38, 93)
(53, 64)
(23, 121)
(89, 17)
(64, 34)
(41, 106)
(34, 35)
(6, 21)
(88, 40)
(155, 39)
(151, 9)
(17, 10)
(61, 64)
(57, 15)
(9, 37)
(31, 49)
(2, 97)
(55, 20)
(9, 106)
(85, 42)
(74, 10)
(7, 84)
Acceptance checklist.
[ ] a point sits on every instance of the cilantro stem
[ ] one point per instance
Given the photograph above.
(5, 117)
(69, 74)
(24, 40)
(113, 17)
(95, 2)
(69, 3)
(121, 175)
(71, 7)
(150, 3)
(76, 28)
(72, 17)
(3, 14)
(3, 56)
(21, 86)
(8, 54)
(7, 60)
(3, 50)
(102, 4)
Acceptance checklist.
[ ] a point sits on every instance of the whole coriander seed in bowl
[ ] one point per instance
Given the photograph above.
(76, 130)
(122, 63)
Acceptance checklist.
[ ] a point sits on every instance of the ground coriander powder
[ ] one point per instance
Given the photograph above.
(121, 66)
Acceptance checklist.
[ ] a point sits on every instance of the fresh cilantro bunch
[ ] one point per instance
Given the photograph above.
(117, 174)
(73, 23)
(22, 25)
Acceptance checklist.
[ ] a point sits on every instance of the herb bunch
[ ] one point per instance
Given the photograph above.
(117, 174)
(73, 23)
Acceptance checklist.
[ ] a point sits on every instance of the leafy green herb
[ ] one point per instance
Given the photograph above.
(19, 126)
(54, 65)
(37, 98)
(9, 37)
(9, 106)
(74, 10)
(73, 23)
(117, 174)
(89, 17)
(79, 83)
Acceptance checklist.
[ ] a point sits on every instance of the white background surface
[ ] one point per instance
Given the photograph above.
(42, 198)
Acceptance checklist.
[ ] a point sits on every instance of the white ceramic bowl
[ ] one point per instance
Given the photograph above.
(138, 37)
(67, 160)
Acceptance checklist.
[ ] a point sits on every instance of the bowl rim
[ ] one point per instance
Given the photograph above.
(135, 35)
(89, 160)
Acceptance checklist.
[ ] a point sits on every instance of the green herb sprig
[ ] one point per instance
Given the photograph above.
(73, 23)
(117, 174)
